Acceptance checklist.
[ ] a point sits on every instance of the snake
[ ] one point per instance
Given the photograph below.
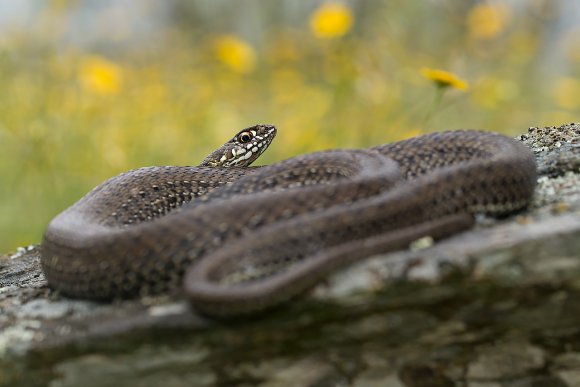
(235, 239)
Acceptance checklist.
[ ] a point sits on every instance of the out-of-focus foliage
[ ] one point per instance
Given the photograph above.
(167, 82)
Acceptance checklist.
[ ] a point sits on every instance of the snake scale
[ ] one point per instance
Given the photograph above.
(246, 238)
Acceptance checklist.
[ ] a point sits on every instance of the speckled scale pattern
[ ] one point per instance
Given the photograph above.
(147, 193)
(277, 230)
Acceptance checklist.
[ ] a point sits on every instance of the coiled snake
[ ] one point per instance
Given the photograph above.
(255, 237)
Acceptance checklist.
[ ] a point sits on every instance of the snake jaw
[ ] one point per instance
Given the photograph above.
(244, 148)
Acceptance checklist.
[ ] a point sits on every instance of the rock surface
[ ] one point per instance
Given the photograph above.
(498, 305)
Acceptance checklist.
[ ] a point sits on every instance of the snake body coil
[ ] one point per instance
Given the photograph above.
(267, 234)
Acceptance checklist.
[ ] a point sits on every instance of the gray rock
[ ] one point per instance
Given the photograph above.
(505, 361)
(498, 305)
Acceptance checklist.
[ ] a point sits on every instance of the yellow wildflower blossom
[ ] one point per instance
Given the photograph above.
(486, 21)
(100, 76)
(331, 20)
(444, 79)
(236, 54)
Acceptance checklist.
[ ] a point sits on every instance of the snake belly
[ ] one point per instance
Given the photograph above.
(267, 234)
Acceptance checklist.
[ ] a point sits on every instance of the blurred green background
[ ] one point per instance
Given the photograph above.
(89, 89)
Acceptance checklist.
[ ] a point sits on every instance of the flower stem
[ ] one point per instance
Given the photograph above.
(439, 91)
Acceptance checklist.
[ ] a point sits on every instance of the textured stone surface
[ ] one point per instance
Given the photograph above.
(498, 305)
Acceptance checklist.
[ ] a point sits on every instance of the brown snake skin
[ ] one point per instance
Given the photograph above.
(275, 231)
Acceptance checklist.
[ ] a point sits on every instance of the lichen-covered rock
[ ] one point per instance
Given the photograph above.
(498, 305)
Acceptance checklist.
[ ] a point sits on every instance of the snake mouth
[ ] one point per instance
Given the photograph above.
(245, 154)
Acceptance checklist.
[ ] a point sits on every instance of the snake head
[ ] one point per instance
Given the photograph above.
(245, 147)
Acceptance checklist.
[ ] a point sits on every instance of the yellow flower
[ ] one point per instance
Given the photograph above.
(100, 76)
(444, 79)
(235, 53)
(487, 21)
(331, 20)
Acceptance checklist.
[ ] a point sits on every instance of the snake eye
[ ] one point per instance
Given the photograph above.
(244, 137)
